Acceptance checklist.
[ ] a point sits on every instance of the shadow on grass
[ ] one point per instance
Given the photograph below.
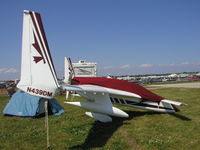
(180, 117)
(100, 133)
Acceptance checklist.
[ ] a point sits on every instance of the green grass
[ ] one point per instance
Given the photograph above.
(143, 130)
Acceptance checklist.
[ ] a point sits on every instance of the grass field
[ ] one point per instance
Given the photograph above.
(143, 130)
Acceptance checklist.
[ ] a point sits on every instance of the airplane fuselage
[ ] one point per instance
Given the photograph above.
(124, 93)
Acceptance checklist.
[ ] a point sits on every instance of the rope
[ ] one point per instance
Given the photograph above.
(46, 123)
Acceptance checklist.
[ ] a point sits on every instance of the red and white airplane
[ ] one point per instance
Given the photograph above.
(38, 77)
(101, 93)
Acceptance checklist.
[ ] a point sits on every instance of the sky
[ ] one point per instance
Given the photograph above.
(124, 37)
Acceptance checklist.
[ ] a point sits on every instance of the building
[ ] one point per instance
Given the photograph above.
(85, 69)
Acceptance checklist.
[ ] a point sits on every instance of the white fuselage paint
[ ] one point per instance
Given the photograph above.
(127, 99)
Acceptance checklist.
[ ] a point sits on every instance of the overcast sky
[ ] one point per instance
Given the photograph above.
(122, 36)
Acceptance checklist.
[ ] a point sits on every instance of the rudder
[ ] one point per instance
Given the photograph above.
(69, 71)
(38, 76)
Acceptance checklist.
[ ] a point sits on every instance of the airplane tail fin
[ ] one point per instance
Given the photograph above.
(69, 71)
(38, 76)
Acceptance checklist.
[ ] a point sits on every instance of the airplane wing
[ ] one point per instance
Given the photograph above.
(85, 88)
(99, 89)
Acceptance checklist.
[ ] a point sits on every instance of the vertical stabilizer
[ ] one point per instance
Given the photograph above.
(69, 71)
(38, 76)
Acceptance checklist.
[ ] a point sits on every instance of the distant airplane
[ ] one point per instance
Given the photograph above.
(38, 77)
(101, 93)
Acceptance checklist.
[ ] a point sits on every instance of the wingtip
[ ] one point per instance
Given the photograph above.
(184, 104)
(173, 102)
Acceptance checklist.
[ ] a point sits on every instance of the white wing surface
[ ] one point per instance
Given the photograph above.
(99, 89)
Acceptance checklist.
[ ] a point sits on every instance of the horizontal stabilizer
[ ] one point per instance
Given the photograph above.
(99, 117)
(173, 102)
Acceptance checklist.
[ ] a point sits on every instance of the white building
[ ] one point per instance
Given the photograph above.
(85, 69)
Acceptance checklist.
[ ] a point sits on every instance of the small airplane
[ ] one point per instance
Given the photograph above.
(38, 77)
(101, 93)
